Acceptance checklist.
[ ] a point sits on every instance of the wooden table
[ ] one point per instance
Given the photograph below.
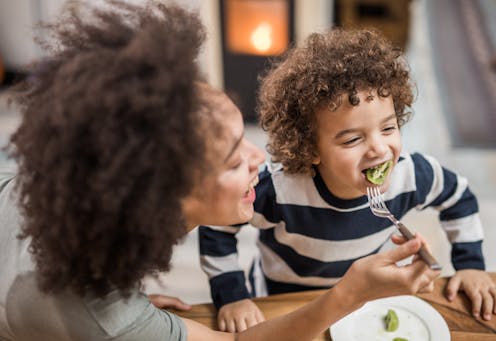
(457, 314)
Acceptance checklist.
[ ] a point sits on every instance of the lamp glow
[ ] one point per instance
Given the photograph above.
(261, 38)
(257, 27)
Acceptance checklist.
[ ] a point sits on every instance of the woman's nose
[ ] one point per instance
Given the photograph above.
(257, 155)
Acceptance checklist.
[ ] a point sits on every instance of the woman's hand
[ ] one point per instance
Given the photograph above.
(367, 279)
(398, 240)
(238, 316)
(164, 302)
(378, 275)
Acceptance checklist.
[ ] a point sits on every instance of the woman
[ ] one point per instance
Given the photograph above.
(120, 152)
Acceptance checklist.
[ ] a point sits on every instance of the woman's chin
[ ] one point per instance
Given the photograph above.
(245, 214)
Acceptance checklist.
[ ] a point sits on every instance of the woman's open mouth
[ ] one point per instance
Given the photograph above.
(251, 187)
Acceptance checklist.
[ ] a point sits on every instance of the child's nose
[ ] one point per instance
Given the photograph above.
(377, 147)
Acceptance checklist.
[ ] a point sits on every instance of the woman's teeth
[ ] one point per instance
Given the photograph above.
(253, 183)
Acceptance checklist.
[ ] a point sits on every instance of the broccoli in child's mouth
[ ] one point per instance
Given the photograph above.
(378, 174)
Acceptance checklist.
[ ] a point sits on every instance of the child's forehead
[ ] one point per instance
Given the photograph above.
(350, 98)
(347, 104)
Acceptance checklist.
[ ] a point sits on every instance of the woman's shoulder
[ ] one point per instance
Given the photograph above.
(66, 315)
(133, 316)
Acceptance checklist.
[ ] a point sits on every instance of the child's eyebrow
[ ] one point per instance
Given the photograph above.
(348, 131)
(390, 117)
(344, 132)
(234, 147)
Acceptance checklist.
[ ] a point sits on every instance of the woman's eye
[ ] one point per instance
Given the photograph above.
(237, 164)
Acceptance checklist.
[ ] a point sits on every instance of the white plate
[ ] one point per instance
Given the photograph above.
(418, 321)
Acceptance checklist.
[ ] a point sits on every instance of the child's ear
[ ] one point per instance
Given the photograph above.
(316, 160)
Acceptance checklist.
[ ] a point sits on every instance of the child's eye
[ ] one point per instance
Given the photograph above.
(389, 129)
(351, 141)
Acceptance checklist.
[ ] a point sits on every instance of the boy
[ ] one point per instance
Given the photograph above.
(333, 109)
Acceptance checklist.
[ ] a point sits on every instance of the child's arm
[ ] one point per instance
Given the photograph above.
(219, 259)
(448, 192)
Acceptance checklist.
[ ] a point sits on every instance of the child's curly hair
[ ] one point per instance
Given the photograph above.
(109, 145)
(327, 66)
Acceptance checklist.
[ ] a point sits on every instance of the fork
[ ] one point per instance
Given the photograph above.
(379, 208)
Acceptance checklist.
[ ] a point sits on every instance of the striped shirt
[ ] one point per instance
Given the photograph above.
(309, 238)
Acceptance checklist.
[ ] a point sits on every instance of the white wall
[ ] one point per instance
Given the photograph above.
(17, 26)
(18, 18)
(17, 21)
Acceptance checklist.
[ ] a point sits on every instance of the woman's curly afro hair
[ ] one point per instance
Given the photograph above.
(108, 147)
(329, 65)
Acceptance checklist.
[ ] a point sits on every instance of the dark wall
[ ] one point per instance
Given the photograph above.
(241, 71)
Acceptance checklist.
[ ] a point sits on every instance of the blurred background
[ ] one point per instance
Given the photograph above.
(451, 48)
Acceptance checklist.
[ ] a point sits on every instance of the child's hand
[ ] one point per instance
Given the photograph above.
(163, 302)
(238, 316)
(480, 289)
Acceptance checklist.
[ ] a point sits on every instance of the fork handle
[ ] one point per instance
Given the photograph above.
(426, 256)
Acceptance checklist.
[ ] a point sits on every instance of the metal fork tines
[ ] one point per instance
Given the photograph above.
(379, 208)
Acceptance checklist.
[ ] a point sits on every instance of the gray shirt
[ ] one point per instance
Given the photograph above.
(27, 314)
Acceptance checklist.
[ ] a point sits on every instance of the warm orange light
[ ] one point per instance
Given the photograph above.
(261, 37)
(257, 27)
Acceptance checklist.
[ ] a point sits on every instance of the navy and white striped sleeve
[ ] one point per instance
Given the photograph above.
(219, 260)
(266, 208)
(448, 192)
